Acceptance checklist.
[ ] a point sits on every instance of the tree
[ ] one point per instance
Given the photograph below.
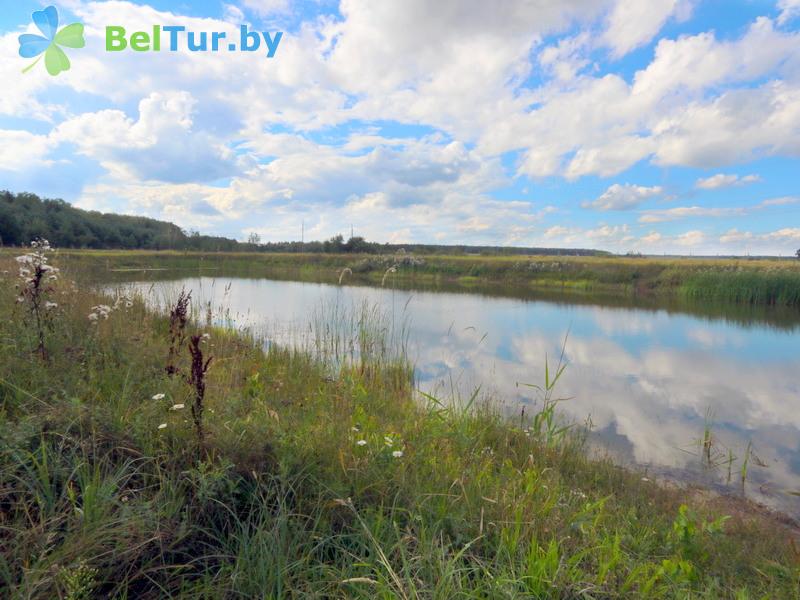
(797, 254)
(356, 244)
(335, 244)
(254, 238)
(10, 230)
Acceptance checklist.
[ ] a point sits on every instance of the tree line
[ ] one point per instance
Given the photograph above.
(25, 217)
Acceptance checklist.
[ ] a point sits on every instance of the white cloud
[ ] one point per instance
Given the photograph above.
(603, 236)
(20, 91)
(387, 45)
(690, 238)
(726, 130)
(651, 238)
(691, 64)
(789, 10)
(159, 146)
(632, 24)
(266, 7)
(787, 233)
(478, 81)
(734, 236)
(780, 241)
(21, 150)
(783, 201)
(232, 14)
(566, 58)
(683, 212)
(556, 231)
(623, 197)
(722, 180)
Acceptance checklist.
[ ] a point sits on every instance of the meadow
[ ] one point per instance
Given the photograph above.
(758, 282)
(148, 454)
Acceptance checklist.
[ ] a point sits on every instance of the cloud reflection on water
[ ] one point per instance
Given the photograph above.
(647, 378)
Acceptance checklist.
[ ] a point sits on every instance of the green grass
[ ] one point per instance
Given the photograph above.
(97, 501)
(762, 282)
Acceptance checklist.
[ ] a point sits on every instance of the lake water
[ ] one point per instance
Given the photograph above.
(648, 379)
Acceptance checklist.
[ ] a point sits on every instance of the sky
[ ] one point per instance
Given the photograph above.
(653, 126)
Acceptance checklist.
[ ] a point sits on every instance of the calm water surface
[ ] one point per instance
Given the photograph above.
(649, 380)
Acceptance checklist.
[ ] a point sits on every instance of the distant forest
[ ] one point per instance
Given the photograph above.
(25, 217)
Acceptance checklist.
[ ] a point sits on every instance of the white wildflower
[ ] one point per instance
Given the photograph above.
(397, 453)
(101, 310)
(159, 396)
(389, 441)
(361, 443)
(176, 406)
(162, 426)
(93, 317)
(50, 305)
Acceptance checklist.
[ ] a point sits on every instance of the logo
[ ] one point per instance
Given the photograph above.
(178, 38)
(117, 40)
(55, 59)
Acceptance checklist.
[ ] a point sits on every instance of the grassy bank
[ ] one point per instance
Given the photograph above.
(756, 282)
(318, 476)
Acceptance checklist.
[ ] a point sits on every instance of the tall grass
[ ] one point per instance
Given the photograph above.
(323, 477)
(731, 280)
(773, 287)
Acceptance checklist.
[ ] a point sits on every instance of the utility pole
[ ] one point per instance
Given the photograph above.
(351, 231)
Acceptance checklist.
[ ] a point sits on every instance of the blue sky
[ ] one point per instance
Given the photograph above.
(660, 126)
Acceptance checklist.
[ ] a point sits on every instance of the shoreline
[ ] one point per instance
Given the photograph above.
(755, 282)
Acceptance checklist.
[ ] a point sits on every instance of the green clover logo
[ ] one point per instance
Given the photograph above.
(55, 60)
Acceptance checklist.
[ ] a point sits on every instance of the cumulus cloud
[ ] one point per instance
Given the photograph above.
(160, 146)
(623, 197)
(632, 24)
(498, 91)
(651, 238)
(735, 236)
(21, 150)
(789, 10)
(691, 238)
(771, 242)
(724, 131)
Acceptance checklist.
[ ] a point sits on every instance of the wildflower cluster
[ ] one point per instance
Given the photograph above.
(391, 443)
(37, 277)
(122, 301)
(102, 311)
(173, 408)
